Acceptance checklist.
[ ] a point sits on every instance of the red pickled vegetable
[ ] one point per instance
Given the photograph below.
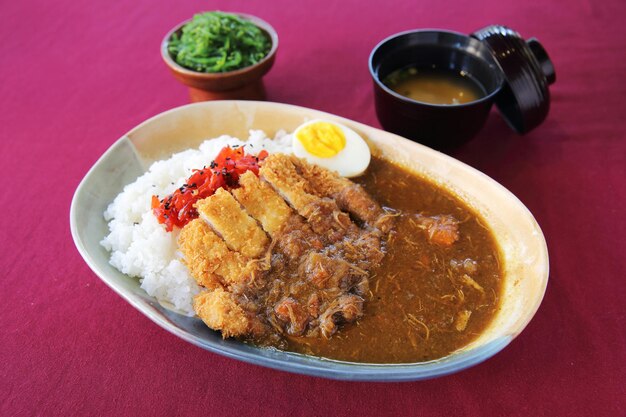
(177, 209)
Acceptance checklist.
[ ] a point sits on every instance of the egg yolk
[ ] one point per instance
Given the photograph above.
(322, 139)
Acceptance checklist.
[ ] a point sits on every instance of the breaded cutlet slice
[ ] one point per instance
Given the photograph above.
(292, 235)
(279, 171)
(209, 260)
(262, 203)
(240, 231)
(350, 197)
(323, 214)
(220, 310)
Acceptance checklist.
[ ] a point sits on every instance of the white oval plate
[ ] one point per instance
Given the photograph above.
(521, 241)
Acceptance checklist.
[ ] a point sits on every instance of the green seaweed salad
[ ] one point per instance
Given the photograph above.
(218, 42)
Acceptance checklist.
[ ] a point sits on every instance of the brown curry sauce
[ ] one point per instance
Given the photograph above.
(425, 301)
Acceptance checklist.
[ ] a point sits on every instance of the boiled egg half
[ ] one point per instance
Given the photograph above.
(333, 146)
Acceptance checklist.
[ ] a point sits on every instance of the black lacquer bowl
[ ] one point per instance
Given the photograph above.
(435, 125)
(512, 72)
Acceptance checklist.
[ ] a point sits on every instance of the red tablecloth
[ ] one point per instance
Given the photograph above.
(76, 75)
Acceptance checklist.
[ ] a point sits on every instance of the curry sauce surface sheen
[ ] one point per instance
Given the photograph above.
(425, 301)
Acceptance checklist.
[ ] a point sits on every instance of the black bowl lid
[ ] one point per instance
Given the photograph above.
(524, 100)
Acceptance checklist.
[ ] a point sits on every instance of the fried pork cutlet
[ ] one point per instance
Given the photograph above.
(325, 218)
(221, 310)
(262, 203)
(240, 231)
(209, 260)
(350, 197)
(311, 274)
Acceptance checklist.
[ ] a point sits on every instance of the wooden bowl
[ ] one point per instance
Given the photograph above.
(242, 84)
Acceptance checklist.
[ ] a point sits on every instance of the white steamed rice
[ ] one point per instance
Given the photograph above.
(140, 246)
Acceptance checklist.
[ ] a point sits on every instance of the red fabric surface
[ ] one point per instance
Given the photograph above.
(75, 76)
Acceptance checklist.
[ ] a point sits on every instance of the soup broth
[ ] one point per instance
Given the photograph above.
(435, 85)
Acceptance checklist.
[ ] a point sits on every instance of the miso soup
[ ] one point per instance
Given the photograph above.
(435, 85)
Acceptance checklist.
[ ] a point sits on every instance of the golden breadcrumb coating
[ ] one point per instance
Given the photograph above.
(208, 258)
(240, 231)
(262, 203)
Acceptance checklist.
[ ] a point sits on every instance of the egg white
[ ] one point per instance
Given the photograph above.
(351, 161)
